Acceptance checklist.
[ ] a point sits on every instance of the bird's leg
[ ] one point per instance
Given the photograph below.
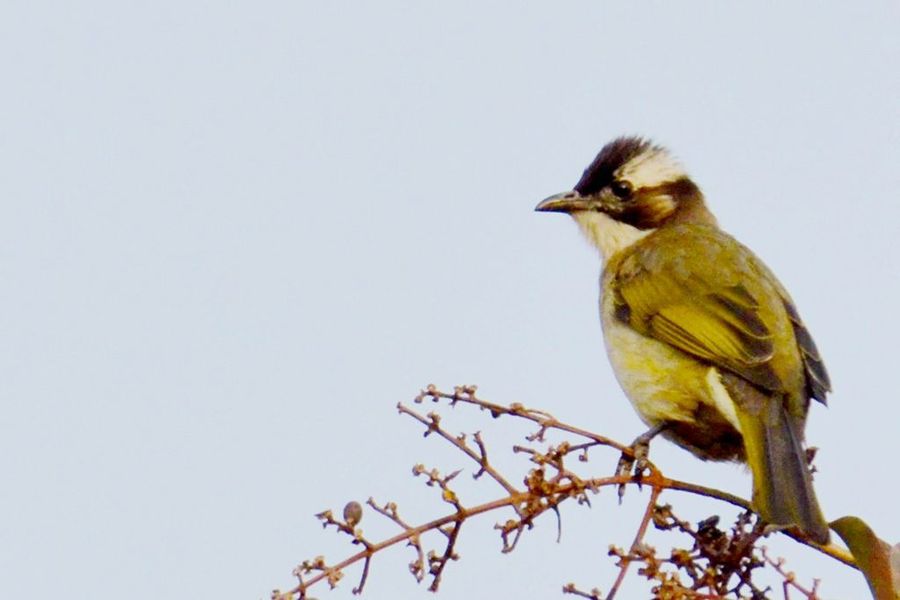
(637, 456)
(639, 451)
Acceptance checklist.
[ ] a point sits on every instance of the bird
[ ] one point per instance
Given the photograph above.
(704, 340)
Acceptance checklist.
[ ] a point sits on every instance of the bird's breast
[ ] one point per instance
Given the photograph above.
(660, 381)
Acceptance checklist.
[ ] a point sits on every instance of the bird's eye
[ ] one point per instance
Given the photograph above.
(622, 189)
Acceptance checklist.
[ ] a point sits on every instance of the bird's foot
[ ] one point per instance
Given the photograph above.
(636, 459)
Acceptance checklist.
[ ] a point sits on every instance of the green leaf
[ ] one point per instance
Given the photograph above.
(878, 561)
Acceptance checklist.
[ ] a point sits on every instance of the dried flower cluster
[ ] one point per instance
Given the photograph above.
(718, 564)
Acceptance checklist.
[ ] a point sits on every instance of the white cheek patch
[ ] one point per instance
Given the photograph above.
(650, 169)
(606, 234)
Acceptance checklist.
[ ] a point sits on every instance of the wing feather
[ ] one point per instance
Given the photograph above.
(724, 315)
(818, 382)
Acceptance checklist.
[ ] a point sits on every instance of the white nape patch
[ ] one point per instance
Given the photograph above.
(651, 168)
(606, 234)
(721, 398)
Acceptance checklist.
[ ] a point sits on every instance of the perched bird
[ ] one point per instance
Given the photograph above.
(704, 340)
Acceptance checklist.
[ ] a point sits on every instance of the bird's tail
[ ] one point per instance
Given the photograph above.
(782, 485)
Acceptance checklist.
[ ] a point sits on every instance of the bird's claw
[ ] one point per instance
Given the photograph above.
(635, 460)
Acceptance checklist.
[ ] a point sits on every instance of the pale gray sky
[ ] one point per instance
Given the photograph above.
(234, 235)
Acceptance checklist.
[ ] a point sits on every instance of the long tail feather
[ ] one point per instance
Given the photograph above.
(782, 485)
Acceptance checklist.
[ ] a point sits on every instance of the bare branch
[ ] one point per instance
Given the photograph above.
(718, 564)
(790, 578)
(636, 544)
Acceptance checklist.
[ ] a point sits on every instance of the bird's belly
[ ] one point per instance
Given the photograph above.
(662, 383)
(667, 386)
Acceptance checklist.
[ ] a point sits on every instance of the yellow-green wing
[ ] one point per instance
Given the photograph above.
(699, 290)
(818, 383)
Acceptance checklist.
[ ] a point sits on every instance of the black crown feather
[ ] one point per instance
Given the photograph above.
(599, 173)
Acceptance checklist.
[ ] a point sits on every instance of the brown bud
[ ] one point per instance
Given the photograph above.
(353, 513)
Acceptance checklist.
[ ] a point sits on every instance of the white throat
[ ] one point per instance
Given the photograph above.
(606, 234)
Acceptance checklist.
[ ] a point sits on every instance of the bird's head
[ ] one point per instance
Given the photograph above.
(630, 189)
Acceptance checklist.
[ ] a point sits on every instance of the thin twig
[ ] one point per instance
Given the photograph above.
(433, 425)
(790, 579)
(407, 534)
(389, 510)
(438, 564)
(638, 541)
(545, 420)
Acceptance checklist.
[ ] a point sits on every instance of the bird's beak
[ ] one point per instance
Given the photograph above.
(566, 202)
